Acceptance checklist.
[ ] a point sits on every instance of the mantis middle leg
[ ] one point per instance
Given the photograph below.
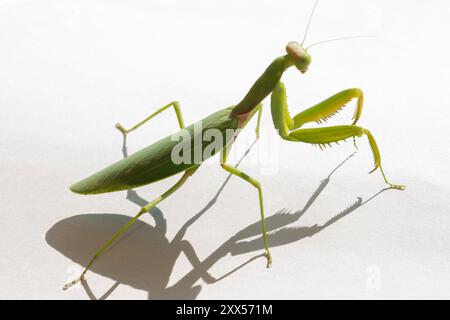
(235, 171)
(288, 128)
(144, 209)
(174, 104)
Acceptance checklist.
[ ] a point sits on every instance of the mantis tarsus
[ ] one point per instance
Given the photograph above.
(154, 162)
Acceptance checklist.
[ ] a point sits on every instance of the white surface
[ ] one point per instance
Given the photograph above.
(71, 69)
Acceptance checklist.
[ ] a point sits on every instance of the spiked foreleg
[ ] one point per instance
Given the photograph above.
(322, 136)
(330, 107)
(319, 113)
(328, 135)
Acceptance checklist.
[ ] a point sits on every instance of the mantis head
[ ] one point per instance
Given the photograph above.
(298, 55)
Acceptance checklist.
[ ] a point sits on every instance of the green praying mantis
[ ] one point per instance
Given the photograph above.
(156, 162)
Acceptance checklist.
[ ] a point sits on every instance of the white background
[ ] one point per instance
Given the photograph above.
(69, 70)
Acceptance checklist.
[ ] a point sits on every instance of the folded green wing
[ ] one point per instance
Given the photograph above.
(154, 162)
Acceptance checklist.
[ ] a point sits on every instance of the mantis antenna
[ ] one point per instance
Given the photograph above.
(341, 39)
(309, 22)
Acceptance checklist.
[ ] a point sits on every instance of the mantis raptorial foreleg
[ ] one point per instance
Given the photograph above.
(318, 113)
(235, 171)
(329, 107)
(174, 104)
(144, 209)
(322, 136)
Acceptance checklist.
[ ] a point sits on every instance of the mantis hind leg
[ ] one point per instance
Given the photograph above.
(235, 171)
(144, 209)
(174, 104)
(288, 127)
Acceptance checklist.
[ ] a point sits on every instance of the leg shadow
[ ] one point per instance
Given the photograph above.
(280, 235)
(144, 258)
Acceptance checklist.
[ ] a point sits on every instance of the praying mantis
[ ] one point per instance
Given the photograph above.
(156, 162)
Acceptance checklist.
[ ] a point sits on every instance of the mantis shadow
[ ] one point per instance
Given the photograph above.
(144, 258)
